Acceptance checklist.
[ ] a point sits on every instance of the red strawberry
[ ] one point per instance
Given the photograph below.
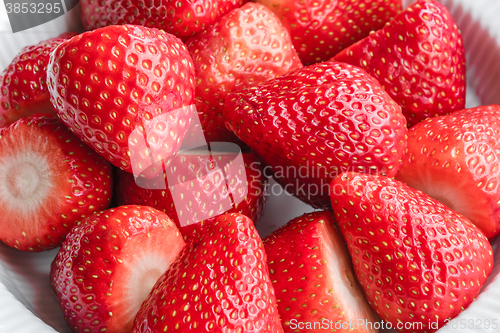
(181, 18)
(313, 279)
(49, 180)
(201, 184)
(219, 284)
(416, 260)
(125, 91)
(418, 58)
(322, 28)
(108, 265)
(454, 159)
(23, 89)
(246, 47)
(316, 122)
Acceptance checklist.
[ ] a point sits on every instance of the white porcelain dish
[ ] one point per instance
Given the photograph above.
(27, 304)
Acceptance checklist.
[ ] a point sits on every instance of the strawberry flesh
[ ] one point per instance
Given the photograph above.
(247, 46)
(49, 181)
(312, 275)
(454, 159)
(23, 88)
(314, 123)
(126, 91)
(219, 284)
(418, 58)
(107, 266)
(416, 260)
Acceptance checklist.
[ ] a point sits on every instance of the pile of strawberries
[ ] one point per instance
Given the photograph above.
(143, 149)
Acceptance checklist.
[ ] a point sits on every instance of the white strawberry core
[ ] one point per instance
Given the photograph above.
(349, 294)
(25, 182)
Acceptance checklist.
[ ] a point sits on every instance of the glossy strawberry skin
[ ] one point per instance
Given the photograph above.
(182, 18)
(209, 172)
(453, 159)
(312, 275)
(117, 85)
(418, 58)
(219, 284)
(247, 46)
(23, 88)
(321, 29)
(91, 270)
(71, 182)
(417, 260)
(314, 123)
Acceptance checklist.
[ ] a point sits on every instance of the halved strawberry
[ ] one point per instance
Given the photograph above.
(322, 28)
(23, 88)
(200, 185)
(313, 278)
(49, 181)
(316, 122)
(245, 47)
(219, 284)
(125, 91)
(418, 58)
(419, 263)
(454, 159)
(107, 266)
(182, 18)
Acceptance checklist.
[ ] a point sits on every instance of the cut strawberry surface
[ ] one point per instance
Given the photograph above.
(316, 122)
(200, 185)
(247, 46)
(320, 29)
(418, 58)
(219, 284)
(108, 265)
(416, 260)
(23, 88)
(49, 180)
(126, 91)
(454, 159)
(313, 278)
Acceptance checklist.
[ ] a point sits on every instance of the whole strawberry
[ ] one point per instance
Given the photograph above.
(49, 181)
(321, 29)
(200, 185)
(219, 284)
(417, 261)
(247, 46)
(454, 159)
(418, 58)
(23, 88)
(317, 122)
(125, 91)
(107, 266)
(182, 18)
(313, 279)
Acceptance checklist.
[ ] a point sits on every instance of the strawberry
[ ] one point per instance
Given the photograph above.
(453, 159)
(182, 18)
(201, 184)
(23, 88)
(49, 181)
(418, 262)
(313, 279)
(219, 284)
(418, 58)
(316, 122)
(108, 265)
(125, 91)
(247, 46)
(320, 29)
